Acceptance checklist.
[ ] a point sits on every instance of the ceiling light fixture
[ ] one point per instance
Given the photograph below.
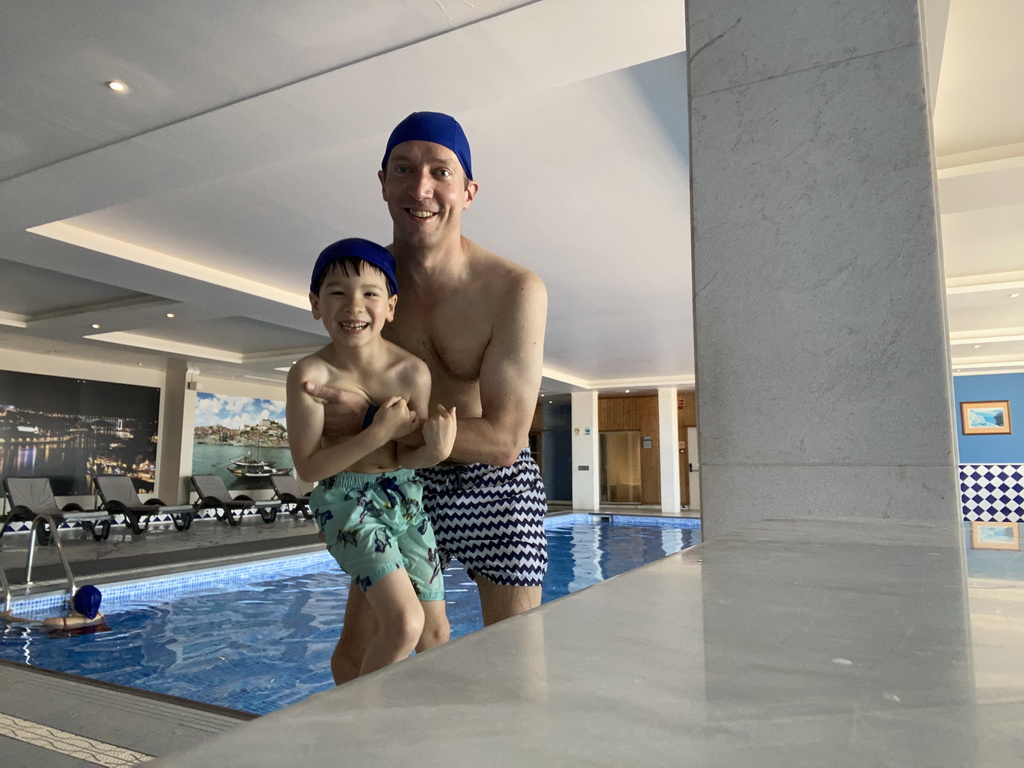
(1014, 295)
(117, 86)
(95, 325)
(627, 391)
(170, 314)
(977, 346)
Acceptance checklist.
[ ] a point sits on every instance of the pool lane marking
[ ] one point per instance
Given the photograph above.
(56, 740)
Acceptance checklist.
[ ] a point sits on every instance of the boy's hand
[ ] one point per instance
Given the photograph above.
(395, 418)
(439, 432)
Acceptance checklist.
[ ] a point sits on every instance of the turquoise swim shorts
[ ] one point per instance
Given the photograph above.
(375, 524)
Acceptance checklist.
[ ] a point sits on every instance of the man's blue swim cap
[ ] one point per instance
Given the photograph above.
(361, 250)
(87, 601)
(436, 127)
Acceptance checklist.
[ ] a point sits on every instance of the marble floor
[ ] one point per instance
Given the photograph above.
(790, 643)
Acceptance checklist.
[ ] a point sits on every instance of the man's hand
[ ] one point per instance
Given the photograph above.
(344, 411)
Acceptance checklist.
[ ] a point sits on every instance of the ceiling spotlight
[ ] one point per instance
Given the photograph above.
(117, 86)
(977, 346)
(141, 364)
(1014, 295)
(627, 391)
(96, 325)
(170, 314)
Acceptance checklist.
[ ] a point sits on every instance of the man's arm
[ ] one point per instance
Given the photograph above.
(510, 375)
(313, 461)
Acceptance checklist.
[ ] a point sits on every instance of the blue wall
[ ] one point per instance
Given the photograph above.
(557, 448)
(991, 449)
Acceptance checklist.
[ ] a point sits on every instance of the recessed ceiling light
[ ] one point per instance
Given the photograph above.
(141, 364)
(95, 325)
(627, 391)
(117, 86)
(170, 314)
(550, 402)
(977, 346)
(1014, 295)
(959, 369)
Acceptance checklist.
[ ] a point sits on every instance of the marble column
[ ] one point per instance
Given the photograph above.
(177, 424)
(821, 348)
(586, 467)
(668, 442)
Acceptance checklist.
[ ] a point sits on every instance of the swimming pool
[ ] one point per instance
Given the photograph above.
(259, 636)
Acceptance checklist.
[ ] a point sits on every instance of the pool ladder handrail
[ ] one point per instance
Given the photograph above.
(38, 520)
(7, 590)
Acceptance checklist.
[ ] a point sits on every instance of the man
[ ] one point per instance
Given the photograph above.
(477, 320)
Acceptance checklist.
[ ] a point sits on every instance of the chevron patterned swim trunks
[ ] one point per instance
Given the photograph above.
(490, 518)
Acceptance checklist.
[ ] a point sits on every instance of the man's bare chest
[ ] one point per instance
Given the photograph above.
(453, 347)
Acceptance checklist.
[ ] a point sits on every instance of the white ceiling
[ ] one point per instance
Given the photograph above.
(251, 136)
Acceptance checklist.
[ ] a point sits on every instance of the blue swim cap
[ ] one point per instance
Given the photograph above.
(87, 601)
(361, 250)
(432, 126)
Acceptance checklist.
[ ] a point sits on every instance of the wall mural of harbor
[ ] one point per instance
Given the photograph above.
(69, 430)
(244, 440)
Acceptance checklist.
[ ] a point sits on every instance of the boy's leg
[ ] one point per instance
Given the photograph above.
(436, 629)
(399, 620)
(356, 633)
(501, 601)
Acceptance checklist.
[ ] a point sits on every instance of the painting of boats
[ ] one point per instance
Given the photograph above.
(243, 440)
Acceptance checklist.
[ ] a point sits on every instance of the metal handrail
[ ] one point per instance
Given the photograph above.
(7, 590)
(60, 551)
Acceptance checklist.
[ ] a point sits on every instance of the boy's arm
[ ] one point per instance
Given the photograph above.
(313, 461)
(413, 451)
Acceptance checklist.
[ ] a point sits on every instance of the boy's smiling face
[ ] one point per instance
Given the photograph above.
(353, 306)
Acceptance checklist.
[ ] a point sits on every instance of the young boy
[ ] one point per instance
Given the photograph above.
(368, 502)
(85, 611)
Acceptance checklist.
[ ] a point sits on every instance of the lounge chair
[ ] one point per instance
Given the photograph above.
(286, 489)
(213, 494)
(29, 497)
(118, 496)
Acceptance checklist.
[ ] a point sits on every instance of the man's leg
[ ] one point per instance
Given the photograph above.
(356, 633)
(500, 601)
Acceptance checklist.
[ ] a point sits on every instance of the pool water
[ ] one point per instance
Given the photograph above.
(259, 637)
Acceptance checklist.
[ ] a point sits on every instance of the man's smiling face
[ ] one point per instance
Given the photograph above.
(426, 190)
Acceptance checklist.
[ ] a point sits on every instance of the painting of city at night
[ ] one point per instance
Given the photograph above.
(69, 430)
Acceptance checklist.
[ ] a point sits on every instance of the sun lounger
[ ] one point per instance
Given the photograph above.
(286, 489)
(118, 496)
(213, 494)
(29, 497)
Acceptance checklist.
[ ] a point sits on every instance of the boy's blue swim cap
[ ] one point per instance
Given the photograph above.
(361, 250)
(432, 126)
(87, 601)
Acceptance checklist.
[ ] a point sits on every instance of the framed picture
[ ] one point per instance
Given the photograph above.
(990, 417)
(995, 535)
